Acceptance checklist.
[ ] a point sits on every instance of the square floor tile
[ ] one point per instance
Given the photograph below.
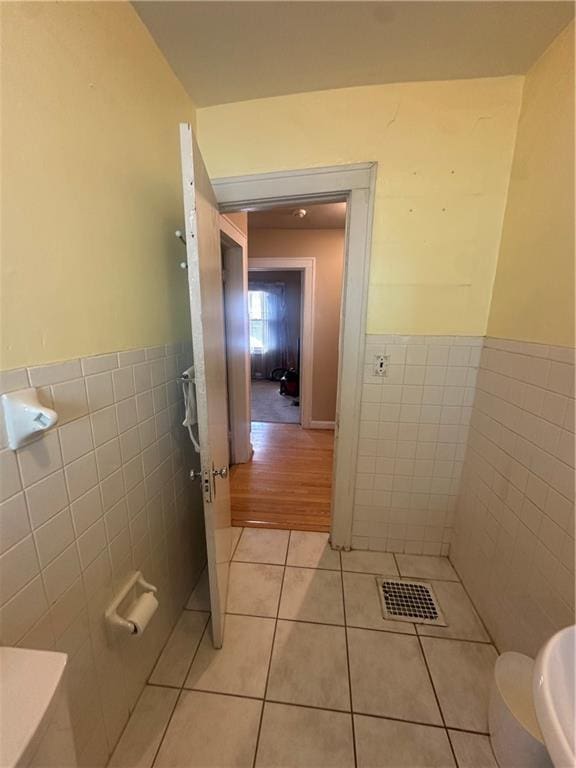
(240, 667)
(363, 608)
(309, 666)
(309, 549)
(463, 621)
(389, 677)
(211, 731)
(174, 662)
(426, 567)
(462, 674)
(472, 750)
(261, 545)
(200, 597)
(310, 594)
(304, 738)
(254, 588)
(381, 563)
(139, 742)
(391, 744)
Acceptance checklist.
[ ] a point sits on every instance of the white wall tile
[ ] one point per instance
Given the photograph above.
(61, 573)
(53, 537)
(81, 475)
(131, 357)
(19, 615)
(123, 383)
(76, 439)
(127, 414)
(100, 391)
(112, 490)
(9, 475)
(46, 498)
(104, 425)
(69, 400)
(40, 458)
(55, 373)
(84, 544)
(91, 543)
(86, 510)
(99, 363)
(516, 501)
(14, 523)
(18, 566)
(421, 395)
(108, 458)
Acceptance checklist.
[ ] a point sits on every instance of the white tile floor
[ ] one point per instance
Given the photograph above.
(310, 674)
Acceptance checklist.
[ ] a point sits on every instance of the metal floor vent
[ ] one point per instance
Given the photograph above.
(412, 601)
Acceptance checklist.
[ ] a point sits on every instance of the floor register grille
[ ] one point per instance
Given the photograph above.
(412, 601)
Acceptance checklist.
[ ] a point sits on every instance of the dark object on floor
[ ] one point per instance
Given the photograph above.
(290, 383)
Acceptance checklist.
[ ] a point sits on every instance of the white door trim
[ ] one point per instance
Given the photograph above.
(355, 183)
(235, 256)
(308, 268)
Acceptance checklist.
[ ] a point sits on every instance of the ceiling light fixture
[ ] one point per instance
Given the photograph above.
(299, 213)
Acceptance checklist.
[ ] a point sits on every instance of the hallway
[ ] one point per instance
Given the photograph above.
(268, 405)
(288, 482)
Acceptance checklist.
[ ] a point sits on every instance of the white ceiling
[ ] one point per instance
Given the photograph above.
(320, 216)
(234, 51)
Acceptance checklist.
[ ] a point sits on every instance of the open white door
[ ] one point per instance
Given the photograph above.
(208, 339)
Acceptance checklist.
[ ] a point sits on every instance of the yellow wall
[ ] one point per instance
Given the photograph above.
(444, 152)
(91, 189)
(534, 288)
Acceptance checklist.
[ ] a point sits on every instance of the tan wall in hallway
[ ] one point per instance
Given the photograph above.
(327, 247)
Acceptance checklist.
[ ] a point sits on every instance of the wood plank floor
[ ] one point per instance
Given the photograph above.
(288, 482)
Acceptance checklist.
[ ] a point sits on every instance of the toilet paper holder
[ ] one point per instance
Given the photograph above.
(113, 619)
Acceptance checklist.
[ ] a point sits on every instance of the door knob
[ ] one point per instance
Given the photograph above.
(195, 474)
(223, 472)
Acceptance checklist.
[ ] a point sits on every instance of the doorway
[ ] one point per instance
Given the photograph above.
(295, 275)
(355, 185)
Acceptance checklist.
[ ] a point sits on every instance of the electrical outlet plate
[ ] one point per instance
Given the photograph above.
(381, 365)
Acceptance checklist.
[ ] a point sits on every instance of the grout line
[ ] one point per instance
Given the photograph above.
(237, 542)
(165, 731)
(476, 611)
(322, 709)
(436, 697)
(224, 693)
(271, 651)
(178, 698)
(348, 669)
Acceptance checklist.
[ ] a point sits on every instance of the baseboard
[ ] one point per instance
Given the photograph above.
(321, 425)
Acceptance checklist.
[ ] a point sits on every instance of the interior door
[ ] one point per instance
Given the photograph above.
(208, 339)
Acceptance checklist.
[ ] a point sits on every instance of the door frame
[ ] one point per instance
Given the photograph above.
(235, 290)
(355, 184)
(307, 267)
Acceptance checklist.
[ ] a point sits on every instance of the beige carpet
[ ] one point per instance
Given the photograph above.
(269, 405)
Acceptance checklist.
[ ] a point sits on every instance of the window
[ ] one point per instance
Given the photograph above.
(256, 301)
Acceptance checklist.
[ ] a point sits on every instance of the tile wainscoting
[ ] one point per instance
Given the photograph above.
(413, 433)
(103, 493)
(514, 536)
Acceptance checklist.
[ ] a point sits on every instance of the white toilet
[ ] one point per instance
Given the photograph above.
(35, 730)
(515, 735)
